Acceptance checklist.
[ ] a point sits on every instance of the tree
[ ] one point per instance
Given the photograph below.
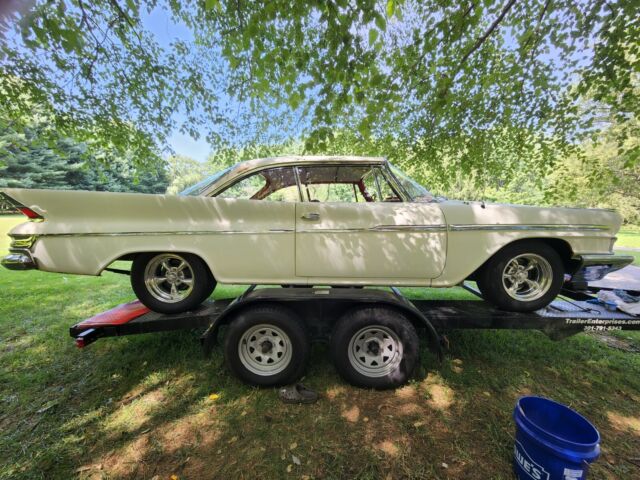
(182, 172)
(27, 161)
(603, 176)
(439, 79)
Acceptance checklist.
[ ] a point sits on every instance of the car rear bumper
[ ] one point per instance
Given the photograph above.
(597, 266)
(19, 260)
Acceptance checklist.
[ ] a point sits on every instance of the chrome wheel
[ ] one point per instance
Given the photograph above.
(169, 278)
(375, 351)
(265, 350)
(527, 277)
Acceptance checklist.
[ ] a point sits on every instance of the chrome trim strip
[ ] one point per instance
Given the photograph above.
(142, 234)
(411, 228)
(381, 228)
(529, 227)
(377, 228)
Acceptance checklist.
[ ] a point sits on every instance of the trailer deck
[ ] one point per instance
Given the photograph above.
(569, 314)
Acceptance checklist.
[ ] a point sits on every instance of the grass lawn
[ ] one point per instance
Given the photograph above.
(628, 237)
(147, 405)
(635, 254)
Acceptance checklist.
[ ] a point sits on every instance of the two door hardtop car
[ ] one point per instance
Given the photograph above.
(325, 220)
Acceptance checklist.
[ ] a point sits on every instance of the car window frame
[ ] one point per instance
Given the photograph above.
(391, 178)
(383, 168)
(377, 168)
(242, 178)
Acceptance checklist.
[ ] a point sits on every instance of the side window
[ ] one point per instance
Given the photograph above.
(273, 184)
(246, 188)
(378, 188)
(331, 192)
(371, 186)
(387, 194)
(344, 183)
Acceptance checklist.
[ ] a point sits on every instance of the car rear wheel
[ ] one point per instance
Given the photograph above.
(375, 347)
(266, 345)
(171, 282)
(522, 277)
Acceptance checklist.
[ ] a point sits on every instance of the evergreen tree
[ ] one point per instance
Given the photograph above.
(27, 161)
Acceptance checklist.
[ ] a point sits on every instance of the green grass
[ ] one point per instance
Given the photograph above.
(140, 406)
(628, 237)
(7, 222)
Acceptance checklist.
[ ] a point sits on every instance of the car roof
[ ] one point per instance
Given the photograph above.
(247, 166)
(302, 159)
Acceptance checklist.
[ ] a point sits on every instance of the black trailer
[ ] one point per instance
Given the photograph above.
(372, 332)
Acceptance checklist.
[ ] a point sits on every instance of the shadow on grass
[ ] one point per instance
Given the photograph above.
(139, 406)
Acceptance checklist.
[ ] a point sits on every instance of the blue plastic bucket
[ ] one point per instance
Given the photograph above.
(552, 441)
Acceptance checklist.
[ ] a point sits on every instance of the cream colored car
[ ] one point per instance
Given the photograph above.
(312, 221)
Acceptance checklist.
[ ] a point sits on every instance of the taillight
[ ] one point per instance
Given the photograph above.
(30, 213)
(8, 203)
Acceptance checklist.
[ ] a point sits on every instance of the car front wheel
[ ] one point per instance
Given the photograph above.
(522, 277)
(171, 282)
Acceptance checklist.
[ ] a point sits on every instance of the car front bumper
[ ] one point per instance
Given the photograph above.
(596, 266)
(19, 260)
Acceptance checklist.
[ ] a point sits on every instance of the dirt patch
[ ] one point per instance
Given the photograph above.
(617, 343)
(406, 393)
(408, 409)
(389, 448)
(334, 392)
(624, 423)
(192, 431)
(351, 415)
(128, 461)
(440, 396)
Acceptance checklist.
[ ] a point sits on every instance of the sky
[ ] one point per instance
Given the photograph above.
(165, 30)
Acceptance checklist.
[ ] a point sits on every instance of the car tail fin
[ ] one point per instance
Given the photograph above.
(8, 203)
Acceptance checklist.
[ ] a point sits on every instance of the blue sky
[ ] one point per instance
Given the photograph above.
(165, 30)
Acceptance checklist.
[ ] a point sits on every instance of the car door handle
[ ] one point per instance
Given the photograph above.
(311, 216)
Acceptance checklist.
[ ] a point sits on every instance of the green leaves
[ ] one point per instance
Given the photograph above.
(390, 8)
(212, 5)
(373, 36)
(438, 79)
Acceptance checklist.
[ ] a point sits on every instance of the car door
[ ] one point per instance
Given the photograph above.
(367, 239)
(256, 221)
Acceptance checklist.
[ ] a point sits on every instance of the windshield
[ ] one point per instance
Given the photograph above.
(201, 186)
(416, 191)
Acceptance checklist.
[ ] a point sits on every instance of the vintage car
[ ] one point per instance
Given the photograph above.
(326, 220)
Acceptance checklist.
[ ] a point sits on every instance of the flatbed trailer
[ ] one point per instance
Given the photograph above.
(322, 310)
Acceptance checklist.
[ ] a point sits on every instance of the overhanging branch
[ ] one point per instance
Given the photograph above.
(487, 33)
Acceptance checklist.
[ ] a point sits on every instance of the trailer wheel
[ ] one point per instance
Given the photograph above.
(375, 347)
(267, 345)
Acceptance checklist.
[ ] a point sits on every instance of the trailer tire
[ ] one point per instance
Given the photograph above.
(379, 330)
(267, 345)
